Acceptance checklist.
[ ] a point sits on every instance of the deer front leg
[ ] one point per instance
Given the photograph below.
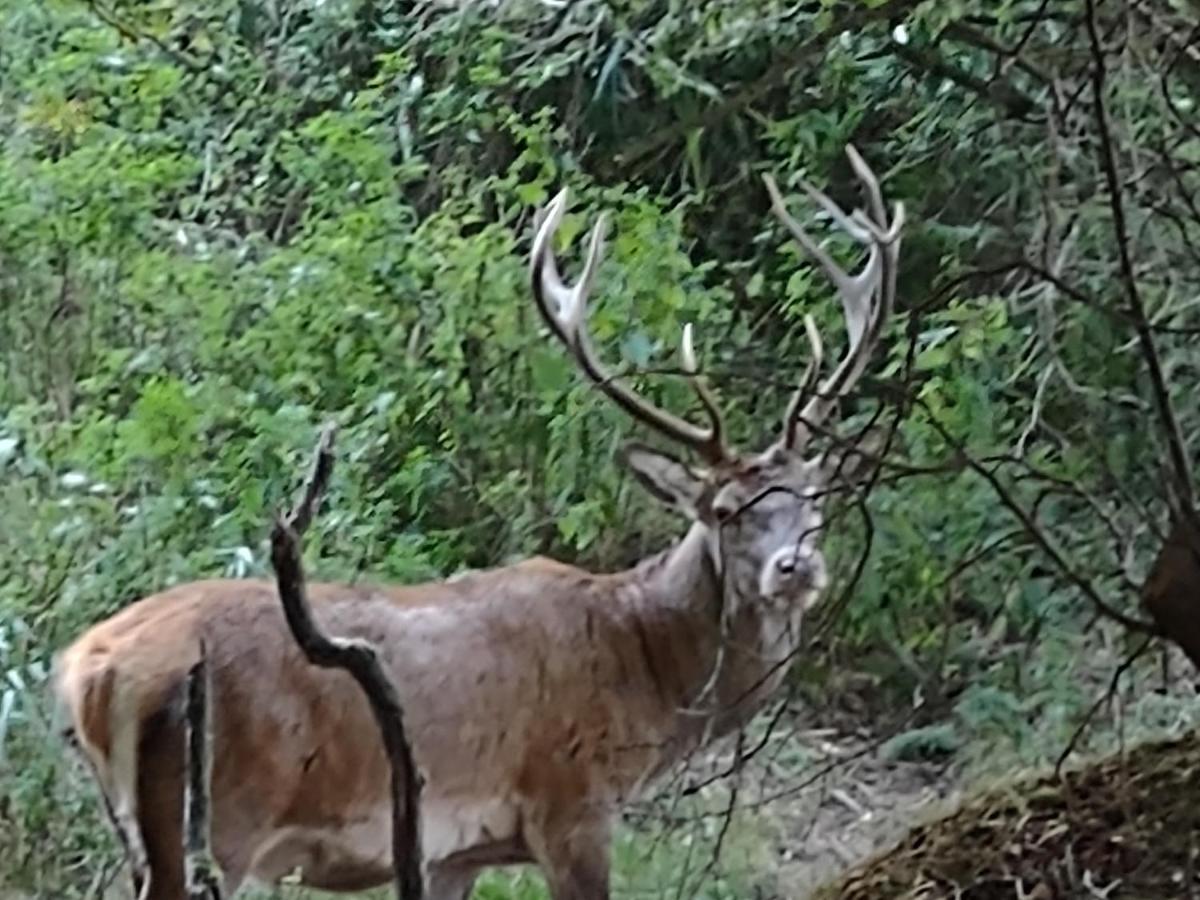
(449, 882)
(575, 859)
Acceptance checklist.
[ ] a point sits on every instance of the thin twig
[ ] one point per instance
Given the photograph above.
(1013, 102)
(1035, 531)
(203, 874)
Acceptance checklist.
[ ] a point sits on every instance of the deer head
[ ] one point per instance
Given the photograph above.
(762, 511)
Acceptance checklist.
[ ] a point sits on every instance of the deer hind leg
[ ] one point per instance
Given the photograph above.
(160, 809)
(104, 733)
(161, 779)
(122, 788)
(138, 873)
(114, 768)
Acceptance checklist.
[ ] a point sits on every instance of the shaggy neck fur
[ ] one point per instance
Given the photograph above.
(717, 655)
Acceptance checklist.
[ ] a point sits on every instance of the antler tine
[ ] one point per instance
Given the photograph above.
(564, 308)
(867, 298)
(716, 425)
(812, 371)
(870, 182)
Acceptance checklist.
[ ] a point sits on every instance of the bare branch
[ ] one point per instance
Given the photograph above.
(1033, 529)
(1172, 433)
(1011, 100)
(310, 498)
(361, 660)
(969, 34)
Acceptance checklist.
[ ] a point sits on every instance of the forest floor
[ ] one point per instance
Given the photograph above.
(1126, 827)
(863, 802)
(1120, 822)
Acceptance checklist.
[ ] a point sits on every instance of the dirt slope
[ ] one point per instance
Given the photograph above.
(1123, 828)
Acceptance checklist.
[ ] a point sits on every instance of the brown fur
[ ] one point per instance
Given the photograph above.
(534, 713)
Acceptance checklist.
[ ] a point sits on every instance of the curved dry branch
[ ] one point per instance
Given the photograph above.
(361, 660)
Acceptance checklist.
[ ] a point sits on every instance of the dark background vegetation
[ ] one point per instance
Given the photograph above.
(223, 222)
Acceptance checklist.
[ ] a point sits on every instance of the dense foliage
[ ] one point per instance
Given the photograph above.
(222, 223)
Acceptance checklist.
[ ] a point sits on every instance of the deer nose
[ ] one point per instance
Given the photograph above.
(794, 562)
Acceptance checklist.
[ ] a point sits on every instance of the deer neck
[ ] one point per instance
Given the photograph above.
(727, 653)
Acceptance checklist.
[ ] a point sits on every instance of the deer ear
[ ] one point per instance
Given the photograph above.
(668, 479)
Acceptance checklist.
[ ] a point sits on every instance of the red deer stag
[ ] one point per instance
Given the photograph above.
(539, 697)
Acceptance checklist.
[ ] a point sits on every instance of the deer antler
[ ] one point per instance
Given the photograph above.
(564, 307)
(867, 298)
